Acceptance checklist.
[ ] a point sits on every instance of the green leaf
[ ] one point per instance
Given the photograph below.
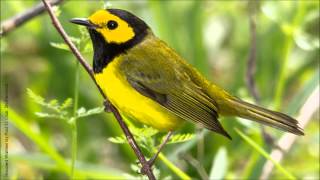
(56, 10)
(219, 164)
(179, 138)
(88, 48)
(265, 154)
(303, 38)
(4, 45)
(22, 125)
(45, 162)
(36, 98)
(275, 12)
(145, 131)
(62, 46)
(53, 103)
(180, 173)
(135, 167)
(75, 40)
(118, 140)
(46, 115)
(67, 103)
(83, 113)
(96, 110)
(83, 31)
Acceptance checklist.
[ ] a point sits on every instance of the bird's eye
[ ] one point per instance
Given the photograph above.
(112, 24)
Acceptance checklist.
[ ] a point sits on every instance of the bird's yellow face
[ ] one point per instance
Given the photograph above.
(113, 32)
(111, 27)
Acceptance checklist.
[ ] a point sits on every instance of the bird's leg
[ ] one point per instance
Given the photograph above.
(151, 161)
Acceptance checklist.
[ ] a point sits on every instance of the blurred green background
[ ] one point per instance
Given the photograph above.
(214, 36)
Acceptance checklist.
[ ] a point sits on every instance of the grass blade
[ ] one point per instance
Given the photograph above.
(21, 124)
(265, 154)
(219, 164)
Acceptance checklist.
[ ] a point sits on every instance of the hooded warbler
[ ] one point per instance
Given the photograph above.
(148, 81)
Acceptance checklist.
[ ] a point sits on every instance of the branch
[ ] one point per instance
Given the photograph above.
(308, 109)
(129, 136)
(286, 141)
(19, 19)
(251, 63)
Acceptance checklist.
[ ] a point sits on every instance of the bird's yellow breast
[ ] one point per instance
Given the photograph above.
(130, 102)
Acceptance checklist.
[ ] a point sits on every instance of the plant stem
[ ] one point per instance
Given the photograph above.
(259, 149)
(282, 76)
(19, 19)
(289, 32)
(200, 59)
(76, 90)
(308, 109)
(74, 131)
(173, 167)
(252, 59)
(56, 23)
(200, 145)
(73, 147)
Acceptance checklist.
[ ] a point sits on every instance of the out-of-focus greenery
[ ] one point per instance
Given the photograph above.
(214, 36)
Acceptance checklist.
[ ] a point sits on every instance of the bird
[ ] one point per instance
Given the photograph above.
(148, 81)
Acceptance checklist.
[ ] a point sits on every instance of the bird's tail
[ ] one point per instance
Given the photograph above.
(271, 118)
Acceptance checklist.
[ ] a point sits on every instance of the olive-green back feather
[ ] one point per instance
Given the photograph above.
(157, 72)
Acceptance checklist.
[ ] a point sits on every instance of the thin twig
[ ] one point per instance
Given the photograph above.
(129, 136)
(286, 141)
(163, 143)
(251, 64)
(308, 109)
(19, 19)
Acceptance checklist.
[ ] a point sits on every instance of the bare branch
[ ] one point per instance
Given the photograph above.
(19, 19)
(129, 136)
(286, 141)
(251, 63)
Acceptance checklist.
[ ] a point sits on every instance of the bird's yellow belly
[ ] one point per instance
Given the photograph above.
(131, 103)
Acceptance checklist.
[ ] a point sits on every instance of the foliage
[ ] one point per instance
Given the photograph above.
(60, 110)
(54, 139)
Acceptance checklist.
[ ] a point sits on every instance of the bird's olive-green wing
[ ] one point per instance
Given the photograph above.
(166, 83)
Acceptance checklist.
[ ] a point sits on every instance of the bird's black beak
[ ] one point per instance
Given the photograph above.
(83, 22)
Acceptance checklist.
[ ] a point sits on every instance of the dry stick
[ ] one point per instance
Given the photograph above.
(129, 136)
(286, 141)
(19, 19)
(251, 64)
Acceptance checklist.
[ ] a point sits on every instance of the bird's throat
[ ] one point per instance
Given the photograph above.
(105, 52)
